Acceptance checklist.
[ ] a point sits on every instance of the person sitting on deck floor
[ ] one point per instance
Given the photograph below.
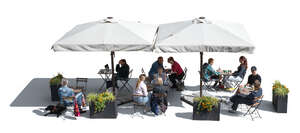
(246, 97)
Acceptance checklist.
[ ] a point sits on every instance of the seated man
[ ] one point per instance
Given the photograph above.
(210, 73)
(176, 73)
(67, 95)
(254, 76)
(122, 69)
(155, 66)
(246, 97)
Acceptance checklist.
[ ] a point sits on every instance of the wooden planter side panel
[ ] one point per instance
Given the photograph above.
(280, 103)
(205, 115)
(110, 111)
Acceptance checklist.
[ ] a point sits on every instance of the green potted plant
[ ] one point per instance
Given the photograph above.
(280, 97)
(102, 105)
(55, 84)
(206, 108)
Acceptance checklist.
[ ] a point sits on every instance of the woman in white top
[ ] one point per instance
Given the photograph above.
(140, 93)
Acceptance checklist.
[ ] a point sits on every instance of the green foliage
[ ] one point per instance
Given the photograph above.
(56, 80)
(279, 89)
(206, 103)
(100, 100)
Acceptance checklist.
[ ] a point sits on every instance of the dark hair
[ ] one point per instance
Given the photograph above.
(257, 84)
(245, 62)
(123, 60)
(170, 59)
(160, 57)
(210, 60)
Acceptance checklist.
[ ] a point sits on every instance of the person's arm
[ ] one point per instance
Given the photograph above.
(241, 70)
(118, 67)
(259, 78)
(248, 82)
(210, 69)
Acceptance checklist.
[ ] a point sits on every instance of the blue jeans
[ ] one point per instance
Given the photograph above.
(143, 99)
(78, 97)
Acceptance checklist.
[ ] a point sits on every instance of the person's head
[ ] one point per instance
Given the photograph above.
(159, 81)
(122, 62)
(142, 77)
(256, 84)
(243, 61)
(160, 70)
(160, 60)
(171, 60)
(253, 70)
(211, 61)
(64, 82)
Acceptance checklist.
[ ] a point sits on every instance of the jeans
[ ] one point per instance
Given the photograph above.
(78, 97)
(174, 77)
(143, 99)
(228, 81)
(236, 100)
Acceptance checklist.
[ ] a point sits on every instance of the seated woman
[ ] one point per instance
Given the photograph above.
(122, 69)
(67, 95)
(254, 76)
(210, 73)
(237, 75)
(140, 93)
(246, 97)
(176, 72)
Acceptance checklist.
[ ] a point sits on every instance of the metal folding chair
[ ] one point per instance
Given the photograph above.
(253, 109)
(181, 82)
(136, 106)
(208, 84)
(125, 82)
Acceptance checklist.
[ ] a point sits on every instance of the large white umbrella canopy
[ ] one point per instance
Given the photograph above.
(201, 35)
(108, 35)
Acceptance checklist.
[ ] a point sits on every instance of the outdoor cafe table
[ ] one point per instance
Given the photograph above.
(105, 75)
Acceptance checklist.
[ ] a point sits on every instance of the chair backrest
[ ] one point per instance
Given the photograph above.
(185, 72)
(81, 80)
(143, 71)
(258, 100)
(130, 74)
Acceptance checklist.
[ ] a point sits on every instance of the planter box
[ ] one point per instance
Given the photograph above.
(205, 115)
(280, 103)
(110, 111)
(54, 92)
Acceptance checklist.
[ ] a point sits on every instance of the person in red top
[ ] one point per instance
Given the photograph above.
(176, 72)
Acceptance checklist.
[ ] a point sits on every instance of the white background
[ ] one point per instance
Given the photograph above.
(29, 28)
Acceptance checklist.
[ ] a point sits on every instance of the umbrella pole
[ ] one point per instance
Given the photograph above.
(112, 53)
(201, 72)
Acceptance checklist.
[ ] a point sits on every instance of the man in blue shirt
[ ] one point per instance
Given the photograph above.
(66, 95)
(157, 64)
(246, 99)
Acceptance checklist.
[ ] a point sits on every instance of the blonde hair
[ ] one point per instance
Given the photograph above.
(140, 80)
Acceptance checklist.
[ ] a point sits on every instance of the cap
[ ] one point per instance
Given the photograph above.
(253, 68)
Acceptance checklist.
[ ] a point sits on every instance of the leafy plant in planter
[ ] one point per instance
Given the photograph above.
(206, 108)
(55, 85)
(280, 97)
(102, 105)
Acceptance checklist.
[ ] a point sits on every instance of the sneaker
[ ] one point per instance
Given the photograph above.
(231, 111)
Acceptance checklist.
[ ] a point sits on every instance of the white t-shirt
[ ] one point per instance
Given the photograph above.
(141, 90)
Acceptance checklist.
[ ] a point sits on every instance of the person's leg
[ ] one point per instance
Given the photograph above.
(78, 97)
(236, 101)
(172, 78)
